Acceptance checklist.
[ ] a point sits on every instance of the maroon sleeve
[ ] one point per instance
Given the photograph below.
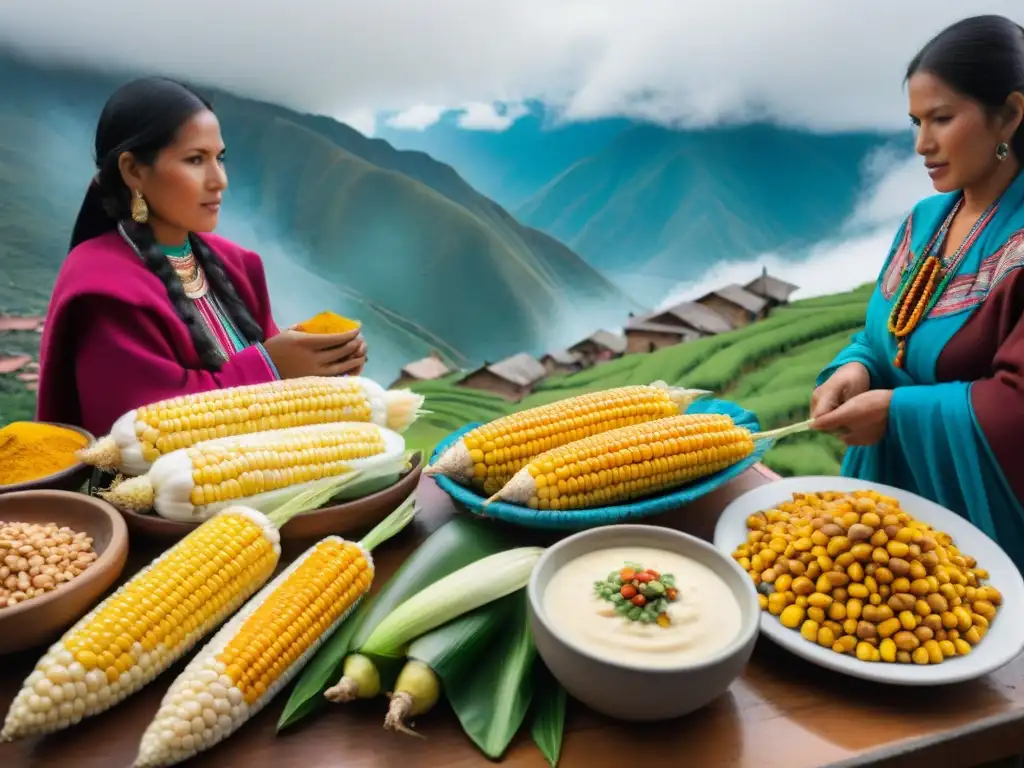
(998, 400)
(124, 360)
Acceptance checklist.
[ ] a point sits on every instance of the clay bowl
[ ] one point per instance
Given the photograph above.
(43, 619)
(343, 519)
(70, 479)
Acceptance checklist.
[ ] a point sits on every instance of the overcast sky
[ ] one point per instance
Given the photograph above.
(822, 64)
(829, 65)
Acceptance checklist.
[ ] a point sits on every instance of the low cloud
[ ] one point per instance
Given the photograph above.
(852, 258)
(823, 65)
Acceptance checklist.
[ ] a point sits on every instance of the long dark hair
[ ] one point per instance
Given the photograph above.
(982, 57)
(143, 117)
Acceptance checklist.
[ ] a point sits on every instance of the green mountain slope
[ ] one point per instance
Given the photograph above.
(670, 204)
(769, 367)
(343, 222)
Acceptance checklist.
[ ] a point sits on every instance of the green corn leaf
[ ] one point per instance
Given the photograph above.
(491, 702)
(547, 722)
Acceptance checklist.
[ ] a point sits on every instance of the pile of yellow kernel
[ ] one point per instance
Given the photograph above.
(855, 573)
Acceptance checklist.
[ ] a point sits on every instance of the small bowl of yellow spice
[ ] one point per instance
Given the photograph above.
(37, 455)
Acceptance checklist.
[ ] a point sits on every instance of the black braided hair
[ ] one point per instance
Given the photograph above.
(225, 291)
(143, 117)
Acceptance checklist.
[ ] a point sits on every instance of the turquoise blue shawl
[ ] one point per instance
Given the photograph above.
(933, 445)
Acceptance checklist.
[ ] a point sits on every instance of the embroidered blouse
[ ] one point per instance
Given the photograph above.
(989, 349)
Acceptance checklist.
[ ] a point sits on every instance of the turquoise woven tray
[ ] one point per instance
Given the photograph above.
(568, 520)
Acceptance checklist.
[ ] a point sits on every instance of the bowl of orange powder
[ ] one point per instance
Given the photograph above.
(37, 455)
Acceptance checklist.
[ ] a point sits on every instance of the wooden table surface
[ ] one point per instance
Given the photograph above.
(783, 713)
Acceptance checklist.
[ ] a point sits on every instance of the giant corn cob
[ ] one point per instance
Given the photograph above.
(264, 645)
(488, 456)
(633, 462)
(142, 435)
(154, 618)
(258, 470)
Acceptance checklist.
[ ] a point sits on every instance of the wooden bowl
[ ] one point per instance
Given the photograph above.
(343, 519)
(43, 619)
(70, 479)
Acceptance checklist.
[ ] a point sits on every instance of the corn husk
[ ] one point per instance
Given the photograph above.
(547, 714)
(491, 703)
(457, 543)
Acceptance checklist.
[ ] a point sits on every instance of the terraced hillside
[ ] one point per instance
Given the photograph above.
(768, 367)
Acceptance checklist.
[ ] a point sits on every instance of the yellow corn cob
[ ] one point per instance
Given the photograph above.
(257, 652)
(629, 463)
(265, 644)
(488, 456)
(161, 613)
(141, 436)
(147, 624)
(258, 470)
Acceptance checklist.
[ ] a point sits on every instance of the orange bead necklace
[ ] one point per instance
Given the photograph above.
(924, 286)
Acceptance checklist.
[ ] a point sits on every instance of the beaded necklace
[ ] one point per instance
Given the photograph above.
(193, 279)
(923, 287)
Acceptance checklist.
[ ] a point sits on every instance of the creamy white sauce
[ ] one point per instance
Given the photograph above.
(705, 618)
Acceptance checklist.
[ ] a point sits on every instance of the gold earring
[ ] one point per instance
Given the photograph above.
(140, 211)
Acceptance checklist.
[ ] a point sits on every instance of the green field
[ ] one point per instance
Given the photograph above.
(768, 367)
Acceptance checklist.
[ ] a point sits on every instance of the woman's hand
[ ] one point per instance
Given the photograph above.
(846, 383)
(297, 354)
(861, 420)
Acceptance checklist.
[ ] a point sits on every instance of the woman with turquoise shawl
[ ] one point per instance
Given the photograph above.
(930, 395)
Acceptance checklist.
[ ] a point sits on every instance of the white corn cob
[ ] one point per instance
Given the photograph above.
(142, 435)
(259, 470)
(148, 623)
(258, 651)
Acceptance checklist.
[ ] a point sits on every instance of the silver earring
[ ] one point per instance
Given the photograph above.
(1002, 150)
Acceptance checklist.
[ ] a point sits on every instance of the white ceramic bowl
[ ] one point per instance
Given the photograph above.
(1003, 642)
(628, 692)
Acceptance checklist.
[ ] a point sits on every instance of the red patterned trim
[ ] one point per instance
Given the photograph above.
(901, 259)
(968, 291)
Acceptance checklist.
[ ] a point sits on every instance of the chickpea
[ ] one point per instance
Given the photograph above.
(31, 555)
